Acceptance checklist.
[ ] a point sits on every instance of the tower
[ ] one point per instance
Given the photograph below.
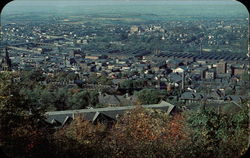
(6, 61)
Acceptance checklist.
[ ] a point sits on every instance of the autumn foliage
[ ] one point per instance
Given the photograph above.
(141, 133)
(138, 133)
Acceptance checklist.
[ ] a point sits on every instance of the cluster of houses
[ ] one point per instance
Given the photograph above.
(195, 77)
(159, 72)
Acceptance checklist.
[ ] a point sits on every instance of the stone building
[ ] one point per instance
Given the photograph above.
(6, 62)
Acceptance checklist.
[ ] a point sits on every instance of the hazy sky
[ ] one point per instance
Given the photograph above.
(68, 1)
(21, 5)
(125, 0)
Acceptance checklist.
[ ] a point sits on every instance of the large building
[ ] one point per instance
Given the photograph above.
(134, 29)
(104, 115)
(221, 67)
(237, 70)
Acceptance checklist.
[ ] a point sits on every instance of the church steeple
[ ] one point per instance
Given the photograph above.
(6, 53)
(6, 61)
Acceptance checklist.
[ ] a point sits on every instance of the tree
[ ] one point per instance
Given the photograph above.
(133, 84)
(13, 104)
(17, 116)
(60, 100)
(149, 96)
(72, 76)
(79, 100)
(81, 139)
(38, 97)
(61, 76)
(93, 98)
(219, 135)
(148, 133)
(104, 80)
(35, 75)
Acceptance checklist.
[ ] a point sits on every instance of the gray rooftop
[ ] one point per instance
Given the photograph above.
(111, 112)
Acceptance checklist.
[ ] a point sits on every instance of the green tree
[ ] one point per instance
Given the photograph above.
(38, 97)
(18, 117)
(34, 75)
(60, 100)
(217, 134)
(79, 100)
(104, 80)
(149, 96)
(93, 98)
(72, 76)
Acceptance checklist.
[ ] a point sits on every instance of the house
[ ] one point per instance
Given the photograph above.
(235, 79)
(141, 67)
(180, 69)
(118, 81)
(106, 115)
(175, 78)
(216, 95)
(174, 63)
(200, 71)
(191, 97)
(116, 100)
(109, 100)
(234, 98)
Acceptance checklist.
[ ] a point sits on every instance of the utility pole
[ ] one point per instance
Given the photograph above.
(183, 81)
